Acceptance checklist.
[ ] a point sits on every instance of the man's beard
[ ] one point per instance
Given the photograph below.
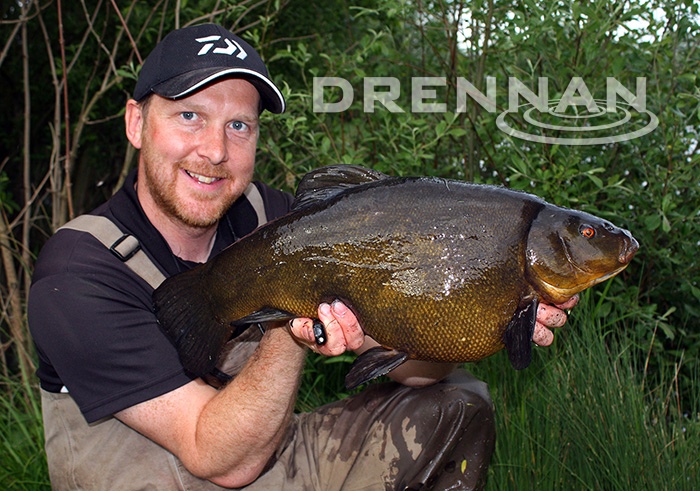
(165, 195)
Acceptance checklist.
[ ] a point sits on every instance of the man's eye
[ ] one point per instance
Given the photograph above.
(189, 115)
(239, 126)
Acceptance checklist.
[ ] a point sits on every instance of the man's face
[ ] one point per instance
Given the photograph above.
(198, 153)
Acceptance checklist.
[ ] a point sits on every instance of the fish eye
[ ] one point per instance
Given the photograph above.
(586, 231)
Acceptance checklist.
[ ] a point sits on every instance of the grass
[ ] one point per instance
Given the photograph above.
(585, 415)
(22, 458)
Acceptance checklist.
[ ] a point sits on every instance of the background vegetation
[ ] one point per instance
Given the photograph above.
(614, 404)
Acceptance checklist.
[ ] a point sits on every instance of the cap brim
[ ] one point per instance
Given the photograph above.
(187, 83)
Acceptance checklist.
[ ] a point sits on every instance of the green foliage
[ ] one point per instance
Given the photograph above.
(323, 381)
(604, 409)
(582, 416)
(22, 457)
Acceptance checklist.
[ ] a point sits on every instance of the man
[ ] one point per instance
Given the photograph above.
(120, 412)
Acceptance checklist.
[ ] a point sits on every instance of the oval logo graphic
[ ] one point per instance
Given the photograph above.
(577, 118)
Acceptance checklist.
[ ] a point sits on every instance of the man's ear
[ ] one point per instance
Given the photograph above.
(133, 118)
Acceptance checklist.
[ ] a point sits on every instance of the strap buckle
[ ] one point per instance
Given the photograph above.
(128, 247)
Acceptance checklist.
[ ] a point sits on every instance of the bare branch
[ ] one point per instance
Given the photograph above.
(128, 33)
(66, 113)
(14, 313)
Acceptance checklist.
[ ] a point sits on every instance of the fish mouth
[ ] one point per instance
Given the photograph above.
(628, 249)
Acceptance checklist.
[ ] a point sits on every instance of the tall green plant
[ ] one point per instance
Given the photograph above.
(584, 417)
(22, 457)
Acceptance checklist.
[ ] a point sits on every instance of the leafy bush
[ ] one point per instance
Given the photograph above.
(639, 379)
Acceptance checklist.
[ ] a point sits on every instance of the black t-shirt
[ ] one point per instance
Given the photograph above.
(92, 318)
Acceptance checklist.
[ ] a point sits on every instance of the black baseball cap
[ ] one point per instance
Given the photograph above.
(188, 59)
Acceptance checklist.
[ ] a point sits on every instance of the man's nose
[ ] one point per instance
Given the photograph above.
(212, 146)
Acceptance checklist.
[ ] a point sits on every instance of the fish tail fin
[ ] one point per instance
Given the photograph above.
(187, 318)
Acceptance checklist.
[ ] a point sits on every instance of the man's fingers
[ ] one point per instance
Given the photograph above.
(550, 316)
(570, 303)
(342, 330)
(302, 329)
(336, 343)
(354, 335)
(542, 336)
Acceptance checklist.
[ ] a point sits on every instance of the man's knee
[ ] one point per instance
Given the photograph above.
(454, 413)
(455, 431)
(468, 384)
(460, 395)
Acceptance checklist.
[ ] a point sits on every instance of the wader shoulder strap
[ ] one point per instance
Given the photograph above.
(125, 247)
(255, 199)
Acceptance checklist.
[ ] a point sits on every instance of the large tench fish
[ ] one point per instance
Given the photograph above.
(435, 269)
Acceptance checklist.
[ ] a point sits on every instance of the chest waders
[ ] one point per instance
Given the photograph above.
(108, 454)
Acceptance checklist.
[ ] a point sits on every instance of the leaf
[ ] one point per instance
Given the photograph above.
(519, 164)
(325, 144)
(695, 291)
(652, 222)
(665, 224)
(596, 180)
(440, 128)
(667, 329)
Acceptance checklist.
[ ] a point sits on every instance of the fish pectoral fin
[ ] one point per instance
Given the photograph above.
(321, 184)
(371, 364)
(518, 335)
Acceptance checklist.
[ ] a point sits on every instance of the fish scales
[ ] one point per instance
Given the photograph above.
(426, 275)
(434, 269)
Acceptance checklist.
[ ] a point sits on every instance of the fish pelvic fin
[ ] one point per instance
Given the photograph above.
(321, 184)
(263, 315)
(187, 318)
(518, 335)
(371, 364)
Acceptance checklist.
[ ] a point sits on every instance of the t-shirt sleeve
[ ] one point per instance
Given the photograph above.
(96, 334)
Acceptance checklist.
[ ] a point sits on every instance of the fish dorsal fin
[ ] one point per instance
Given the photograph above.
(321, 184)
(518, 335)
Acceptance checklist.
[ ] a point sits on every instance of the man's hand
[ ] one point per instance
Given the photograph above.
(550, 316)
(342, 330)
